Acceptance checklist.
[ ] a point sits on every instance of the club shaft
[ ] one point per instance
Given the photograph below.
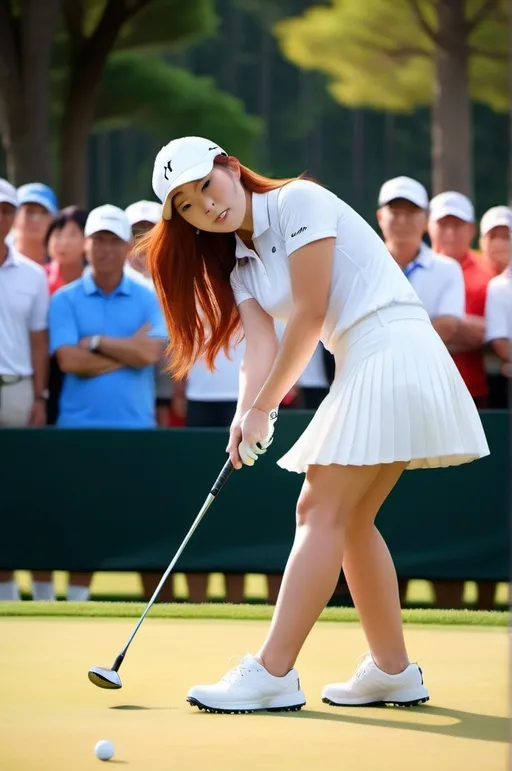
(197, 520)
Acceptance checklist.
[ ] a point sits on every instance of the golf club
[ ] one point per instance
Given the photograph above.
(109, 678)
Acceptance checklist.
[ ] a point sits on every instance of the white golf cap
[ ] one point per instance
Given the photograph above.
(498, 215)
(8, 193)
(451, 204)
(406, 188)
(110, 218)
(144, 211)
(182, 160)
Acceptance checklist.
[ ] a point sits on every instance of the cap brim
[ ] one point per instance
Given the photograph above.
(104, 228)
(401, 195)
(40, 200)
(190, 175)
(449, 211)
(499, 222)
(6, 199)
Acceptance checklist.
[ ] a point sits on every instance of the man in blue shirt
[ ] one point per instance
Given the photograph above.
(107, 331)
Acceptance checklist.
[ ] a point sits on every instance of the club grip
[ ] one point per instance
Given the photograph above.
(222, 478)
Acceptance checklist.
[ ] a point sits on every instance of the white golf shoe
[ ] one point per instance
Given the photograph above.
(249, 688)
(370, 687)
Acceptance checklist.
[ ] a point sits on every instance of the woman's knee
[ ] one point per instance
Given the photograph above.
(321, 513)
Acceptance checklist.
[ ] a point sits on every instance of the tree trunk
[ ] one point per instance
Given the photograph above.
(88, 58)
(451, 113)
(76, 125)
(24, 87)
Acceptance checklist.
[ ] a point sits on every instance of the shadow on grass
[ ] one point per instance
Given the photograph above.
(138, 707)
(468, 725)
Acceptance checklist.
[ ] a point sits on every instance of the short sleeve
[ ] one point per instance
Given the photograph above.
(497, 311)
(156, 317)
(41, 304)
(63, 323)
(307, 213)
(239, 289)
(452, 301)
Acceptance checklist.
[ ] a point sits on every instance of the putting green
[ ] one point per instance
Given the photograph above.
(51, 716)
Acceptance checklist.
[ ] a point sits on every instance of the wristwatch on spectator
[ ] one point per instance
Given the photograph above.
(44, 395)
(95, 342)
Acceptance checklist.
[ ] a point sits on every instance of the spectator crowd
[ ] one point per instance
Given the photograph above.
(82, 336)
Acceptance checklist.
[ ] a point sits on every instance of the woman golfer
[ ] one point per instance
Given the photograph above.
(235, 248)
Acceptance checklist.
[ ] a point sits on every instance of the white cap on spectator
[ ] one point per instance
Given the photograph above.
(406, 188)
(182, 160)
(144, 211)
(8, 193)
(451, 204)
(498, 215)
(110, 218)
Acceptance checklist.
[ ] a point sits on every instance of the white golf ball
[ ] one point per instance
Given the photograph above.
(104, 750)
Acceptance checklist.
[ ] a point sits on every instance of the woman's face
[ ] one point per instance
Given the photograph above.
(216, 203)
(66, 245)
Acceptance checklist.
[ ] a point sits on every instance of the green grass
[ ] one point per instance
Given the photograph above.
(223, 611)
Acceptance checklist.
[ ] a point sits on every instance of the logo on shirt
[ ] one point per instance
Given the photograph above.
(299, 231)
(167, 168)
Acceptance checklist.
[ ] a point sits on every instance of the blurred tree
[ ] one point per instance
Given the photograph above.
(27, 30)
(401, 54)
(93, 28)
(68, 66)
(170, 101)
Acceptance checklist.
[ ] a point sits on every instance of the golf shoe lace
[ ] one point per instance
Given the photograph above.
(241, 669)
(364, 663)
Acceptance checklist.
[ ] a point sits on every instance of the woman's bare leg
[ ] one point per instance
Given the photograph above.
(371, 576)
(329, 498)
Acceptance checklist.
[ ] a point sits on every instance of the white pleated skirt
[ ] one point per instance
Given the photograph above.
(397, 396)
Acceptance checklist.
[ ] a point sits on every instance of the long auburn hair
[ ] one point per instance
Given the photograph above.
(191, 272)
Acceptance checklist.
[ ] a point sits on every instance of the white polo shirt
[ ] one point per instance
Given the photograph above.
(498, 307)
(365, 277)
(220, 385)
(439, 283)
(24, 301)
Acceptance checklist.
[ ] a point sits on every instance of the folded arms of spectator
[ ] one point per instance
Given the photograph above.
(469, 334)
(65, 339)
(140, 350)
(80, 361)
(446, 327)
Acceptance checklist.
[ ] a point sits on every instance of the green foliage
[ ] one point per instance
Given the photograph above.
(377, 54)
(166, 23)
(169, 101)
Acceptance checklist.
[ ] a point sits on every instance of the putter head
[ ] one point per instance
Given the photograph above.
(105, 678)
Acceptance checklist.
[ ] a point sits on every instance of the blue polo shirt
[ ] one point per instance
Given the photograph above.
(121, 399)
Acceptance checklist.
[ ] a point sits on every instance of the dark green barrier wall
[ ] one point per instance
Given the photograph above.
(105, 500)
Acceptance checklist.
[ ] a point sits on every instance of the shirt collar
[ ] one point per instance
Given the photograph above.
(124, 287)
(13, 258)
(261, 223)
(425, 256)
(260, 218)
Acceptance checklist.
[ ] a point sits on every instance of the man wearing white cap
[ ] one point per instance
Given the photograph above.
(107, 332)
(495, 230)
(142, 215)
(452, 229)
(437, 280)
(498, 319)
(24, 357)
